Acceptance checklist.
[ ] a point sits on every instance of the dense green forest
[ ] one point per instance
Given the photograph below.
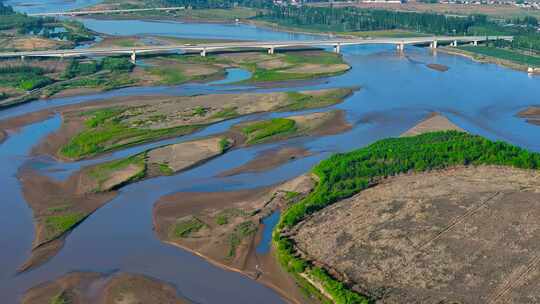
(350, 19)
(344, 175)
(202, 4)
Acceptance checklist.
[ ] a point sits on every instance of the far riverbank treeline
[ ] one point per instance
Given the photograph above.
(46, 27)
(353, 19)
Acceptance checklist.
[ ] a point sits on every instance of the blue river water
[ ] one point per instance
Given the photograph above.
(396, 92)
(48, 6)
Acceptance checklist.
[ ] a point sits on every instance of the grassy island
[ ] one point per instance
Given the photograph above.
(115, 127)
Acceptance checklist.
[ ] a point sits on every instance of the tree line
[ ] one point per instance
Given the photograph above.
(344, 175)
(349, 19)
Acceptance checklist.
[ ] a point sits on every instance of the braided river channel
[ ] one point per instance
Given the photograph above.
(397, 91)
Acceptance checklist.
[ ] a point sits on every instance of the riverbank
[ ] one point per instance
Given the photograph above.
(487, 59)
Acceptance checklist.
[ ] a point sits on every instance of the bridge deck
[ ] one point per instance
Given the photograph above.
(250, 44)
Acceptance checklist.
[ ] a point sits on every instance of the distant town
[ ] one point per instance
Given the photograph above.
(519, 3)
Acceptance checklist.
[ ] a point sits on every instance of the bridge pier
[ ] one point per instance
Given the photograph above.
(203, 52)
(475, 43)
(22, 58)
(271, 50)
(400, 47)
(133, 57)
(433, 44)
(337, 48)
(454, 43)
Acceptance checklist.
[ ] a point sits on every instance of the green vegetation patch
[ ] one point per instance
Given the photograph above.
(338, 291)
(59, 208)
(303, 101)
(24, 77)
(200, 111)
(165, 169)
(225, 215)
(105, 131)
(263, 131)
(264, 75)
(224, 145)
(169, 75)
(218, 14)
(61, 298)
(184, 227)
(240, 232)
(102, 80)
(294, 60)
(505, 54)
(344, 175)
(57, 225)
(291, 195)
(325, 58)
(104, 172)
(229, 112)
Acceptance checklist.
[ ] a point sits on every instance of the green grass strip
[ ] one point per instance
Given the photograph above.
(266, 130)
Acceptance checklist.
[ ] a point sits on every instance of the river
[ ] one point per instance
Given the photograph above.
(397, 92)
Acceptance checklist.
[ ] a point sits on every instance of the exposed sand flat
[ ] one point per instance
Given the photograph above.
(434, 122)
(314, 124)
(50, 198)
(220, 216)
(92, 287)
(121, 176)
(438, 67)
(462, 235)
(531, 114)
(269, 159)
(318, 68)
(3, 136)
(184, 155)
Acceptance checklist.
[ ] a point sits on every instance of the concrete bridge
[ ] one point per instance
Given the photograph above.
(270, 46)
(110, 11)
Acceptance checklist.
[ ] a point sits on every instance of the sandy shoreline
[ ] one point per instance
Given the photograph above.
(104, 288)
(268, 160)
(485, 59)
(211, 242)
(531, 115)
(432, 123)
